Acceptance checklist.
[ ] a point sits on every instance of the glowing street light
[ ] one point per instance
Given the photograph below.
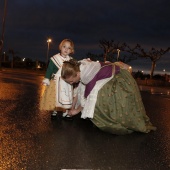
(48, 42)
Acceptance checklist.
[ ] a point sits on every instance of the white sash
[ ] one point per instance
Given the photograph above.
(89, 106)
(64, 90)
(58, 60)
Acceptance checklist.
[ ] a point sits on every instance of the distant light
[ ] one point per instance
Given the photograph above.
(130, 69)
(23, 59)
(49, 40)
(38, 66)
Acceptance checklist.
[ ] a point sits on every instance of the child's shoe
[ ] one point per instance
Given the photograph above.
(54, 114)
(66, 116)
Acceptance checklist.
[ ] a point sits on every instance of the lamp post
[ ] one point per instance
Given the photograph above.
(3, 32)
(48, 47)
(118, 53)
(4, 57)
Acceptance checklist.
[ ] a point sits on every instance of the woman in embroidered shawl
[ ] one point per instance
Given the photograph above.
(108, 95)
(58, 93)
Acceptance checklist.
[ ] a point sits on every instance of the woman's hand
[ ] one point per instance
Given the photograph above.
(73, 112)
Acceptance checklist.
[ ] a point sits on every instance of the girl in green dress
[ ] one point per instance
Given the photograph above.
(58, 94)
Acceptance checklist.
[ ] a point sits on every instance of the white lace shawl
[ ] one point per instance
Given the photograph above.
(88, 69)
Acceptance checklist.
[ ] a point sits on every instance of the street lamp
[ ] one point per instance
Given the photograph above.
(3, 32)
(4, 56)
(48, 42)
(118, 53)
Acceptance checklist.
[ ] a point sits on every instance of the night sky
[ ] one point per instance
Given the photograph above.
(29, 23)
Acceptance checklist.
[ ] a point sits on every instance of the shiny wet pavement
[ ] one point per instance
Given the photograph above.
(30, 140)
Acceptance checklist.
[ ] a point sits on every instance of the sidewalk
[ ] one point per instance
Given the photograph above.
(155, 90)
(22, 70)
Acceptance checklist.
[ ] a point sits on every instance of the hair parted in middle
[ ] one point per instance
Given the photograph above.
(70, 68)
(71, 43)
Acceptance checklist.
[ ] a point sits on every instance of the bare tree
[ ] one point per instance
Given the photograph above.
(112, 50)
(107, 48)
(153, 54)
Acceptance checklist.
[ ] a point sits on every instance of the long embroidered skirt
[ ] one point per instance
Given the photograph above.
(119, 108)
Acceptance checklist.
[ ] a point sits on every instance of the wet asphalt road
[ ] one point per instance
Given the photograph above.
(30, 140)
